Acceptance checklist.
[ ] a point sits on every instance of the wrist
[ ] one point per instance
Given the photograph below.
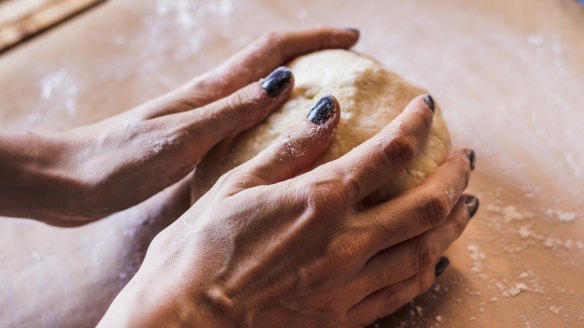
(142, 305)
(36, 181)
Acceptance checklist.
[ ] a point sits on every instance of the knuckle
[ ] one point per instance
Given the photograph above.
(225, 179)
(342, 252)
(401, 149)
(235, 101)
(160, 241)
(351, 182)
(327, 194)
(240, 106)
(436, 207)
(426, 255)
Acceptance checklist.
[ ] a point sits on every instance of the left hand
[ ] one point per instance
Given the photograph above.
(84, 174)
(274, 245)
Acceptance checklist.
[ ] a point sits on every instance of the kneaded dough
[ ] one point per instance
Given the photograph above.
(370, 96)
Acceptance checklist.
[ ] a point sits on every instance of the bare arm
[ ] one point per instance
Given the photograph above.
(81, 175)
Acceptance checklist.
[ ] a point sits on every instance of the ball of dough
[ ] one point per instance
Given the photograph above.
(370, 97)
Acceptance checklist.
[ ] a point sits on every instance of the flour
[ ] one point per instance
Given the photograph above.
(515, 290)
(554, 309)
(560, 216)
(58, 90)
(477, 257)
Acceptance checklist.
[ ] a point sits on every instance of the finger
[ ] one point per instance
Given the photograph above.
(297, 149)
(419, 209)
(378, 160)
(413, 256)
(249, 65)
(387, 300)
(205, 127)
(262, 56)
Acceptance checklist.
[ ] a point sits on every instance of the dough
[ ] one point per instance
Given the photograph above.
(370, 97)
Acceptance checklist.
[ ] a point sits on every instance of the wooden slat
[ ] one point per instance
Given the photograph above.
(23, 19)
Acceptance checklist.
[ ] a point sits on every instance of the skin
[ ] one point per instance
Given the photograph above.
(271, 244)
(150, 147)
(266, 247)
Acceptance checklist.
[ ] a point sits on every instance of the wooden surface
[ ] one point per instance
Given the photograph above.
(23, 19)
(508, 74)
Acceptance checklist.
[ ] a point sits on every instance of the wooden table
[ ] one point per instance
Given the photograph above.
(509, 75)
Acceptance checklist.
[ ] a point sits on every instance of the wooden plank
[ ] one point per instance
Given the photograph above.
(22, 19)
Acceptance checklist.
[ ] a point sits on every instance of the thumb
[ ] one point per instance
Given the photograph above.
(297, 149)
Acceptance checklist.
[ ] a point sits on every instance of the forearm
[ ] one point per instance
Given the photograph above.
(35, 181)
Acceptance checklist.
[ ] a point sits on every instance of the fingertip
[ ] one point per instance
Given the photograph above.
(472, 158)
(320, 123)
(417, 116)
(352, 30)
(354, 34)
(337, 115)
(441, 265)
(324, 110)
(425, 104)
(429, 102)
(300, 146)
(278, 81)
(465, 157)
(338, 37)
(472, 204)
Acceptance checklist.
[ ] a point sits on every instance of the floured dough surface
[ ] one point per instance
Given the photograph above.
(370, 96)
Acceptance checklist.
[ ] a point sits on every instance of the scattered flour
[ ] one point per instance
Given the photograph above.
(477, 257)
(515, 290)
(555, 309)
(560, 216)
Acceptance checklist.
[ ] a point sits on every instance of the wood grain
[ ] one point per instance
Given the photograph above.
(508, 75)
(23, 19)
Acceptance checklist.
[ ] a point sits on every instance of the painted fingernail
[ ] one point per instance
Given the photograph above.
(472, 205)
(322, 111)
(277, 81)
(352, 30)
(470, 154)
(429, 101)
(442, 264)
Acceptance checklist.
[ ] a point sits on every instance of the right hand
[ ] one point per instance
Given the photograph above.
(265, 247)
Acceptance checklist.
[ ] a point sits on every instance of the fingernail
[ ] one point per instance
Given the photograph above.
(442, 264)
(429, 101)
(470, 154)
(352, 30)
(277, 81)
(472, 205)
(323, 109)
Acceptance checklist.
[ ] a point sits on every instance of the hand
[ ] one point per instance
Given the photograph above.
(268, 247)
(84, 174)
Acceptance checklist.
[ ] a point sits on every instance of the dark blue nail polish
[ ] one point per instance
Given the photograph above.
(472, 158)
(472, 205)
(277, 81)
(322, 110)
(352, 30)
(442, 264)
(429, 101)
